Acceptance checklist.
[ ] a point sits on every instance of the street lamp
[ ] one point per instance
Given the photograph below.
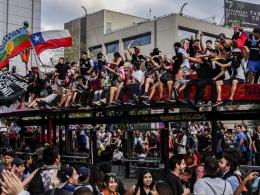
(84, 38)
(182, 7)
(85, 10)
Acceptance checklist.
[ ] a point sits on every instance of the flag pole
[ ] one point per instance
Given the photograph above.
(34, 51)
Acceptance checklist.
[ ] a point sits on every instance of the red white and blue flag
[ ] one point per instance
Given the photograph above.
(51, 40)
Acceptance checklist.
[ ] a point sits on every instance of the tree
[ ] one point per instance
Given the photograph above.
(72, 53)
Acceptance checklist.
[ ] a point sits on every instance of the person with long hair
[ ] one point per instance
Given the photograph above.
(144, 184)
(96, 180)
(161, 188)
(110, 185)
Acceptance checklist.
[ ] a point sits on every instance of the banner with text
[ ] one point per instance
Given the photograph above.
(243, 13)
(11, 88)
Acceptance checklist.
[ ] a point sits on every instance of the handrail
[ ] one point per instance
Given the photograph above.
(249, 167)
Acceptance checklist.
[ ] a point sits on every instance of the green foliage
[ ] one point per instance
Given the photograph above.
(72, 53)
(26, 24)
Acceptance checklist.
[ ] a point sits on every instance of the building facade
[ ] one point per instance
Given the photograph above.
(12, 15)
(14, 12)
(109, 32)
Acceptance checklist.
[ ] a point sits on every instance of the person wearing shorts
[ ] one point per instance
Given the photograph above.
(254, 56)
(237, 76)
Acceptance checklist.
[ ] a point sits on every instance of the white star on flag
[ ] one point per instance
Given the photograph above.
(36, 38)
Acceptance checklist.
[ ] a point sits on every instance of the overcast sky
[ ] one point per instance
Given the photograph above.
(56, 12)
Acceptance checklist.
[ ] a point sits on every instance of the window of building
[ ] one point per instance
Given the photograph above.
(207, 36)
(138, 40)
(94, 50)
(112, 47)
(186, 33)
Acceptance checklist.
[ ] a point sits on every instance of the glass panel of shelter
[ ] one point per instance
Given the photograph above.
(74, 142)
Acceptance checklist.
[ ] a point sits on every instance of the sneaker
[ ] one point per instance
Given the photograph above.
(130, 103)
(88, 107)
(97, 103)
(209, 104)
(159, 101)
(171, 100)
(103, 101)
(184, 101)
(218, 102)
(145, 95)
(147, 102)
(229, 103)
(117, 103)
(200, 104)
(111, 105)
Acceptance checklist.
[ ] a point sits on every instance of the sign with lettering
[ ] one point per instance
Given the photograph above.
(245, 14)
(11, 88)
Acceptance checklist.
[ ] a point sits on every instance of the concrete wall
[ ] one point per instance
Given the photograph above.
(164, 30)
(18, 12)
(167, 30)
(119, 20)
(95, 28)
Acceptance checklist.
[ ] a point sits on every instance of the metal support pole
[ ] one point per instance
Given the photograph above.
(214, 135)
(93, 144)
(165, 147)
(50, 129)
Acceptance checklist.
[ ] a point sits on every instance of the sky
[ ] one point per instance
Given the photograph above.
(56, 12)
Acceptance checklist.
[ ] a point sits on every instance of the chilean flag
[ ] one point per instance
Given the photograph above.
(50, 40)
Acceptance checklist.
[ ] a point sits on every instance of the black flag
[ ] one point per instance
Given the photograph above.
(12, 87)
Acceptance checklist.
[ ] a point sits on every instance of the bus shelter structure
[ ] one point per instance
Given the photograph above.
(125, 115)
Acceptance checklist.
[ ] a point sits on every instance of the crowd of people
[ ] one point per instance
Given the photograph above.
(47, 175)
(132, 78)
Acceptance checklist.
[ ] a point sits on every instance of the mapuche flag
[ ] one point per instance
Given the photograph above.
(51, 40)
(13, 44)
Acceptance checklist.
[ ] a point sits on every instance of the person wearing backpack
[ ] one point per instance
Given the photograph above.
(210, 184)
(256, 145)
(227, 167)
(44, 178)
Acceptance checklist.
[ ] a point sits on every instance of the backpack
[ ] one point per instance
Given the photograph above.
(246, 141)
(36, 187)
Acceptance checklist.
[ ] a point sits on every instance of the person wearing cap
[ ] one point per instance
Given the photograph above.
(8, 157)
(210, 184)
(84, 174)
(68, 177)
(237, 76)
(254, 56)
(136, 56)
(239, 37)
(18, 167)
(100, 62)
